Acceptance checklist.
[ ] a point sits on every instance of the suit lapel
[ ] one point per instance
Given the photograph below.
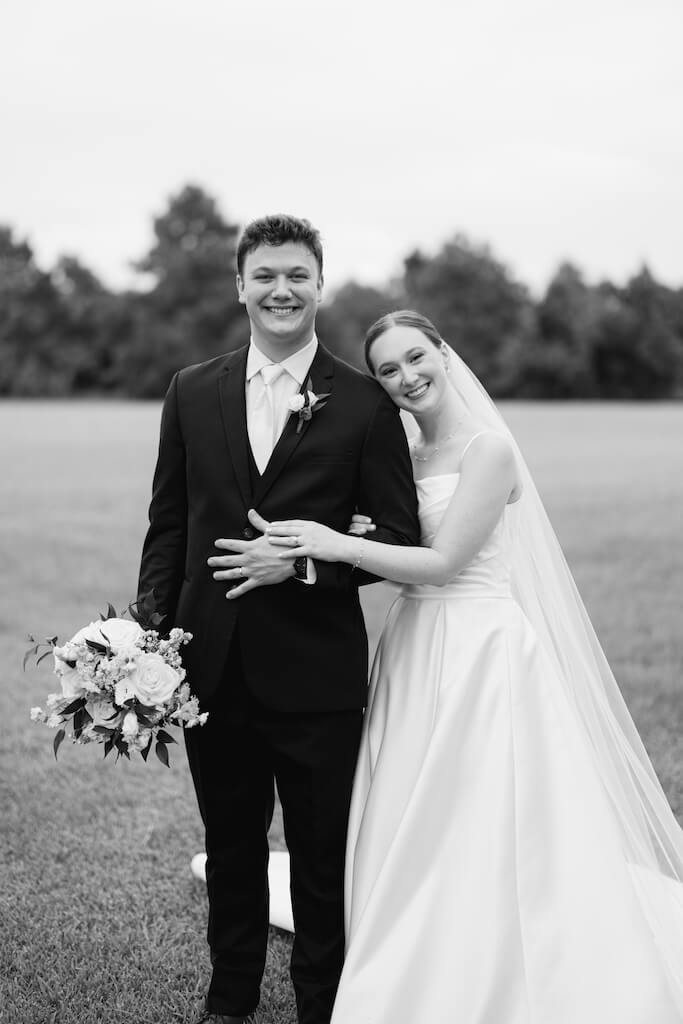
(322, 380)
(231, 391)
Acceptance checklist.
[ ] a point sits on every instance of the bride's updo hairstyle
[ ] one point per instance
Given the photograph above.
(401, 318)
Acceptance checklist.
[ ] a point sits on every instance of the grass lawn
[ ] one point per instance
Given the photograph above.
(100, 919)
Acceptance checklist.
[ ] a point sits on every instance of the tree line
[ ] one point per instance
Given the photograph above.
(64, 333)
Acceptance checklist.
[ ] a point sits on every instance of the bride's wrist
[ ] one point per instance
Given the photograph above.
(355, 548)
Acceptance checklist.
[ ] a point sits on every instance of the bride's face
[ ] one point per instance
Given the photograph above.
(410, 368)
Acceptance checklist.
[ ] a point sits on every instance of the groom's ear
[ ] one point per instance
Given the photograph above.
(320, 286)
(240, 288)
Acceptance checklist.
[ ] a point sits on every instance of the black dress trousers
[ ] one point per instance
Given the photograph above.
(235, 759)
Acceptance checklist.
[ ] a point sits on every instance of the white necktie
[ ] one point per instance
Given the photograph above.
(263, 421)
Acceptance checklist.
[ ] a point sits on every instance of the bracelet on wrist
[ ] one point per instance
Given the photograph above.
(361, 552)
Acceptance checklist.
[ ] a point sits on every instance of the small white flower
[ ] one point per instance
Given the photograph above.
(124, 690)
(69, 652)
(140, 741)
(54, 721)
(130, 726)
(88, 734)
(38, 715)
(297, 402)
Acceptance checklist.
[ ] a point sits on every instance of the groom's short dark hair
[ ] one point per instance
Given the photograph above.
(276, 230)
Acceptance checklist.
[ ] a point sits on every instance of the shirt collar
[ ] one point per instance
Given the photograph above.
(297, 365)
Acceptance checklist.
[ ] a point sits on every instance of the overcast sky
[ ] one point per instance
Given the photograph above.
(549, 130)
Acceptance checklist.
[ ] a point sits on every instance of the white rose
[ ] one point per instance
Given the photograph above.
(38, 715)
(130, 726)
(117, 633)
(102, 712)
(153, 682)
(296, 403)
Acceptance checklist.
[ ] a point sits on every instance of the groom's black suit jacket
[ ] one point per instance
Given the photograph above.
(304, 647)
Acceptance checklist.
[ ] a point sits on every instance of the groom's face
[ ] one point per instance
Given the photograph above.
(281, 287)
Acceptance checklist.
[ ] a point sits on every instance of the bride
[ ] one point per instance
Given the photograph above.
(511, 856)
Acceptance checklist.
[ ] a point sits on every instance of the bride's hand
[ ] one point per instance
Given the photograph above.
(360, 525)
(303, 538)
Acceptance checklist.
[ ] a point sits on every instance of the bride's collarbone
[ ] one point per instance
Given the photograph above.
(439, 459)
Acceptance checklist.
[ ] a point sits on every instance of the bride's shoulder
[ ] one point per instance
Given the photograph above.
(490, 451)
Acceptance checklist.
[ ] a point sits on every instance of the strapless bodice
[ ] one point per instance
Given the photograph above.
(488, 574)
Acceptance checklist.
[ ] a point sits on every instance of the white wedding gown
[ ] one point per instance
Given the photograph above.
(485, 882)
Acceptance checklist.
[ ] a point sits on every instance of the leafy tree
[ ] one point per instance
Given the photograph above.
(557, 362)
(31, 323)
(638, 352)
(476, 305)
(191, 312)
(344, 321)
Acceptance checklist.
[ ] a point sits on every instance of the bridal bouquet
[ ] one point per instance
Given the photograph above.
(121, 685)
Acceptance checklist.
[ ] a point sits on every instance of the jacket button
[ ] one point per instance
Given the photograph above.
(248, 533)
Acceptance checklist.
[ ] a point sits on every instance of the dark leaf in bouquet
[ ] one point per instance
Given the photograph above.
(162, 753)
(43, 657)
(74, 706)
(79, 722)
(121, 746)
(110, 612)
(87, 717)
(145, 752)
(144, 609)
(145, 708)
(57, 742)
(29, 654)
(94, 646)
(165, 737)
(109, 746)
(146, 722)
(102, 730)
(114, 714)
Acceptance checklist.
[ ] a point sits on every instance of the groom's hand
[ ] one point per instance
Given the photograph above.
(252, 563)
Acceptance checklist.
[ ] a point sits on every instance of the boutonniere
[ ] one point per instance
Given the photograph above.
(306, 403)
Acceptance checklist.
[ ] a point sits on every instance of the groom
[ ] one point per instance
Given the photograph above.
(282, 669)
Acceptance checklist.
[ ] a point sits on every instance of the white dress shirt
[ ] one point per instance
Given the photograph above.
(295, 370)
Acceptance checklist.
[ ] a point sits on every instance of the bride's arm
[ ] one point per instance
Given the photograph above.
(487, 478)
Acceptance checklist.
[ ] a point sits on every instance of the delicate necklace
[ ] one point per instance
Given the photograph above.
(437, 448)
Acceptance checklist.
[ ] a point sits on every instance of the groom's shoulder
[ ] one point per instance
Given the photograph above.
(362, 384)
(209, 369)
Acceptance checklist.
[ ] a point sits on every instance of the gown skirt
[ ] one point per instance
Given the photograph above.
(485, 882)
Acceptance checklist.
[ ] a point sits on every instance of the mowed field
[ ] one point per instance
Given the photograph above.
(100, 920)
